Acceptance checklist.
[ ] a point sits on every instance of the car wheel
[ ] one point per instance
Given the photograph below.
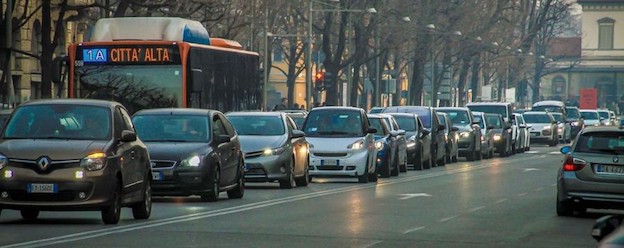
(564, 208)
(142, 210)
(477, 155)
(395, 169)
(290, 180)
(214, 180)
(372, 177)
(112, 213)
(434, 157)
(418, 163)
(455, 158)
(427, 164)
(239, 191)
(554, 142)
(442, 161)
(305, 179)
(403, 167)
(364, 177)
(384, 169)
(29, 214)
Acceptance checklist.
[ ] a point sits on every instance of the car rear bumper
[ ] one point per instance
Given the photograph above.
(590, 194)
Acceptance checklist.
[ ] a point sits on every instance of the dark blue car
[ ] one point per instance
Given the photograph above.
(387, 148)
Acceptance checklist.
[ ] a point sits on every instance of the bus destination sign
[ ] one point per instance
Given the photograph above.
(129, 55)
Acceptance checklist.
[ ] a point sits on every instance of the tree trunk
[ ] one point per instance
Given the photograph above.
(355, 85)
(474, 80)
(416, 86)
(461, 83)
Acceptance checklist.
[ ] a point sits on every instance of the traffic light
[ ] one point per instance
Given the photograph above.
(328, 80)
(319, 80)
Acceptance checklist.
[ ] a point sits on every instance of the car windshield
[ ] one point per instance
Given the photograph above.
(458, 118)
(59, 121)
(334, 123)
(601, 142)
(558, 117)
(547, 108)
(172, 128)
(406, 123)
(258, 125)
(536, 118)
(492, 109)
(299, 119)
(573, 113)
(604, 114)
(442, 119)
(377, 123)
(589, 115)
(478, 119)
(494, 121)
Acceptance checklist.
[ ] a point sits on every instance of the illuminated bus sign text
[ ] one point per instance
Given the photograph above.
(130, 55)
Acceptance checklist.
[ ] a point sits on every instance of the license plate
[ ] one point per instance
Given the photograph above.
(330, 162)
(42, 188)
(157, 176)
(610, 169)
(534, 134)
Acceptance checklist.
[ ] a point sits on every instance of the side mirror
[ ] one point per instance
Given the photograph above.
(555, 122)
(297, 134)
(490, 127)
(401, 132)
(455, 129)
(565, 149)
(371, 130)
(522, 126)
(475, 123)
(529, 126)
(441, 127)
(222, 139)
(394, 133)
(128, 136)
(196, 81)
(605, 226)
(425, 132)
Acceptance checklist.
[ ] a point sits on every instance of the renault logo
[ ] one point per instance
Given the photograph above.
(615, 159)
(43, 163)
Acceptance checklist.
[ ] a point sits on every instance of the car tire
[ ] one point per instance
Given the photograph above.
(29, 214)
(289, 182)
(305, 179)
(239, 191)
(434, 157)
(454, 159)
(403, 167)
(364, 177)
(372, 177)
(564, 208)
(553, 142)
(442, 161)
(477, 155)
(396, 168)
(112, 213)
(214, 180)
(418, 163)
(384, 170)
(428, 164)
(143, 209)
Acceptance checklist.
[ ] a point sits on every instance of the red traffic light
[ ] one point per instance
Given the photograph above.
(320, 75)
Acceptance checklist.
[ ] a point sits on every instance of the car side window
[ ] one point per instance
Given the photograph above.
(127, 122)
(118, 122)
(290, 123)
(218, 128)
(227, 126)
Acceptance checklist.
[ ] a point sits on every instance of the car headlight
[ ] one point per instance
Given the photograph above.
(274, 151)
(464, 134)
(94, 161)
(379, 145)
(3, 161)
(192, 161)
(574, 123)
(411, 141)
(497, 137)
(356, 145)
(482, 138)
(547, 128)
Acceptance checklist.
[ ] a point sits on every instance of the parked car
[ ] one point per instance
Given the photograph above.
(451, 137)
(387, 149)
(501, 133)
(502, 108)
(193, 152)
(418, 140)
(487, 137)
(341, 143)
(400, 139)
(591, 117)
(298, 118)
(609, 231)
(605, 117)
(544, 127)
(576, 121)
(524, 134)
(274, 149)
(429, 118)
(469, 131)
(74, 154)
(591, 173)
(564, 130)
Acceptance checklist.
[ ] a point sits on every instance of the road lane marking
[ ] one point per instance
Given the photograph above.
(501, 201)
(532, 152)
(372, 244)
(539, 189)
(541, 156)
(250, 206)
(448, 218)
(530, 169)
(414, 229)
(554, 153)
(522, 194)
(476, 209)
(409, 196)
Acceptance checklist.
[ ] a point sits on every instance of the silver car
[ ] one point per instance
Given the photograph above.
(544, 127)
(274, 149)
(341, 143)
(590, 117)
(592, 174)
(564, 130)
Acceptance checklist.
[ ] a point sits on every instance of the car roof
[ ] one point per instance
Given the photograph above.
(453, 108)
(176, 111)
(336, 108)
(90, 102)
(596, 129)
(477, 113)
(589, 110)
(489, 103)
(536, 113)
(255, 113)
(403, 114)
(549, 103)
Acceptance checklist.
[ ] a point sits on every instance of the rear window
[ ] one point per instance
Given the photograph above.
(458, 118)
(604, 114)
(495, 121)
(573, 113)
(601, 142)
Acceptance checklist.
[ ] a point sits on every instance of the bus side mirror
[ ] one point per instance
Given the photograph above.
(196, 79)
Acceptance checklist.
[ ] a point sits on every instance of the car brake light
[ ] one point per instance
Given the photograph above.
(573, 164)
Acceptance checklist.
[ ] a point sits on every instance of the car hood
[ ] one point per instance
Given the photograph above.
(589, 122)
(174, 151)
(254, 143)
(30, 149)
(332, 144)
(539, 126)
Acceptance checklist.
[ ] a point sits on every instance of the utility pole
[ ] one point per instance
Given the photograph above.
(9, 50)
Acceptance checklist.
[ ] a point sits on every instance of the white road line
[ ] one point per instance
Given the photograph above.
(553, 185)
(414, 229)
(448, 218)
(522, 194)
(236, 209)
(541, 156)
(372, 244)
(532, 152)
(539, 189)
(501, 201)
(554, 153)
(476, 209)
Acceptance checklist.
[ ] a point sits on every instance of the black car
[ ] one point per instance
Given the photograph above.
(429, 118)
(502, 134)
(74, 154)
(451, 137)
(576, 121)
(193, 152)
(469, 131)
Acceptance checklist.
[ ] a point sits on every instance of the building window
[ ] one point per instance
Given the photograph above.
(278, 54)
(605, 33)
(558, 86)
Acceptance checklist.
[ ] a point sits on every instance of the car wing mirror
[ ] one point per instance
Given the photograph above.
(128, 136)
(455, 129)
(605, 226)
(372, 130)
(401, 132)
(220, 139)
(522, 126)
(297, 134)
(424, 133)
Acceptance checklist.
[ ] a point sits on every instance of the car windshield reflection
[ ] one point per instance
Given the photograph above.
(168, 128)
(258, 125)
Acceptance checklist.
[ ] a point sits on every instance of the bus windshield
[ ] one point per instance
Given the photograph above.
(135, 86)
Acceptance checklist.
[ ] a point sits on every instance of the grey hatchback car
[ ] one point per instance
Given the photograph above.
(592, 174)
(74, 154)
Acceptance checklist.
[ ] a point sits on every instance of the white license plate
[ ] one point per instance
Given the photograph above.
(610, 169)
(329, 162)
(157, 176)
(42, 188)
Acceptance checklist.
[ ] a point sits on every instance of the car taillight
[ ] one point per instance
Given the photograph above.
(573, 164)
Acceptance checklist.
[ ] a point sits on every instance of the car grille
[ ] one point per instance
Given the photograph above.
(254, 154)
(463, 145)
(162, 164)
(330, 154)
(55, 165)
(22, 195)
(331, 168)
(255, 172)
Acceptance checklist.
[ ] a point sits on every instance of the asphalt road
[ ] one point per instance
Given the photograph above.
(500, 202)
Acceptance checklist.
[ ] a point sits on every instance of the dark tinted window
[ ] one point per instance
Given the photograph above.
(536, 118)
(334, 122)
(425, 116)
(495, 121)
(378, 123)
(558, 117)
(457, 117)
(589, 115)
(257, 125)
(478, 118)
(173, 128)
(601, 142)
(604, 114)
(573, 113)
(407, 123)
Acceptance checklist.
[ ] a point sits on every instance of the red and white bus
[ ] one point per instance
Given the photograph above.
(151, 62)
